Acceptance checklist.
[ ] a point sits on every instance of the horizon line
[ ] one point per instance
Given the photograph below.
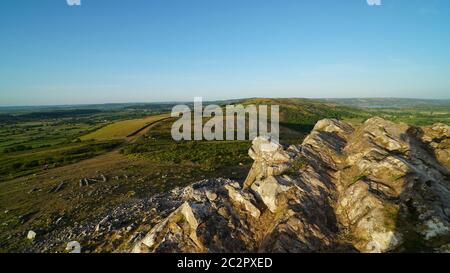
(213, 100)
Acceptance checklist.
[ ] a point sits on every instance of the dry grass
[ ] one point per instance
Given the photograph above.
(123, 129)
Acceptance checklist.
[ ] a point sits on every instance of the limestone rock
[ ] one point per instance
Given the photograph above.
(382, 187)
(178, 229)
(268, 191)
(31, 235)
(239, 200)
(270, 159)
(73, 247)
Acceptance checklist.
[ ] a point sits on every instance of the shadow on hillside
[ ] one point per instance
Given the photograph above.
(301, 128)
(293, 133)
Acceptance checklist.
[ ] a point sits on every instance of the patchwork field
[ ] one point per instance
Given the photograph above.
(39, 141)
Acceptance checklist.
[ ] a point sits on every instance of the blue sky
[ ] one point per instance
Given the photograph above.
(165, 50)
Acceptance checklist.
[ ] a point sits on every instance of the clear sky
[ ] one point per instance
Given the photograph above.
(165, 50)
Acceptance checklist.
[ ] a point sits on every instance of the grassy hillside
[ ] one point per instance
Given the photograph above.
(297, 118)
(20, 163)
(302, 114)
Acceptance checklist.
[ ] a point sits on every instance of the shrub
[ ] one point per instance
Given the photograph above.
(31, 164)
(17, 165)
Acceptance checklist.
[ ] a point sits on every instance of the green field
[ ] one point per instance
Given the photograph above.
(16, 164)
(38, 141)
(158, 147)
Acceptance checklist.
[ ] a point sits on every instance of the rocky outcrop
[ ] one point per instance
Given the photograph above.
(270, 159)
(391, 188)
(276, 211)
(375, 187)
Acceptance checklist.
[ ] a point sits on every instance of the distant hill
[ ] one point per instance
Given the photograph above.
(307, 111)
(44, 115)
(155, 106)
(49, 108)
(389, 102)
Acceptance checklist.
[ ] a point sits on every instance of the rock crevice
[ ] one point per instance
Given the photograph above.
(376, 187)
